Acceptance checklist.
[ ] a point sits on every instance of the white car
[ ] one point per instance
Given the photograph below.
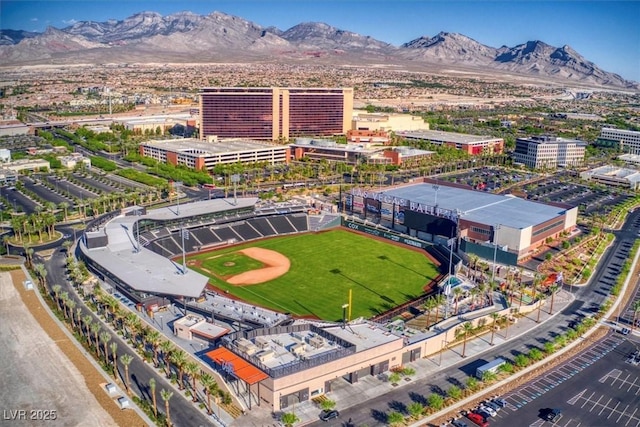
(488, 410)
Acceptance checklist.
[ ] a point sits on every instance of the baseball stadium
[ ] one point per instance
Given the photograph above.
(309, 299)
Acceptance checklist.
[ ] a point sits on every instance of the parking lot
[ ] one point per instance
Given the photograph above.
(489, 178)
(597, 387)
(589, 201)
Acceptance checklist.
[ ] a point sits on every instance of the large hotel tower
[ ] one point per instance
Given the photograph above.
(274, 113)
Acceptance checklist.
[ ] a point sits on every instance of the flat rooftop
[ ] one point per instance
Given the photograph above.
(437, 135)
(477, 206)
(197, 147)
(147, 271)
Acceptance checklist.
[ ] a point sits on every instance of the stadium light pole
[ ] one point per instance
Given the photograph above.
(184, 233)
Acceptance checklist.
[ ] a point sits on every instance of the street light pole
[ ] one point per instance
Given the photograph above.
(176, 185)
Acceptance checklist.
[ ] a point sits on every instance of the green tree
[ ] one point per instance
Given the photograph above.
(494, 316)
(464, 330)
(289, 419)
(415, 409)
(435, 401)
(454, 392)
(521, 360)
(126, 359)
(328, 404)
(152, 387)
(395, 418)
(166, 396)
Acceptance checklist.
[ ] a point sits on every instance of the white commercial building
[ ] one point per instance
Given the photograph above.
(628, 140)
(613, 176)
(549, 152)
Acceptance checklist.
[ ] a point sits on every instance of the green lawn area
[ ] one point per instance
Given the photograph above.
(325, 266)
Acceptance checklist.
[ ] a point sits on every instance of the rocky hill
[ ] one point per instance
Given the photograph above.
(218, 37)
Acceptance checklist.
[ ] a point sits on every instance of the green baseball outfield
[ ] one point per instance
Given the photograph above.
(323, 268)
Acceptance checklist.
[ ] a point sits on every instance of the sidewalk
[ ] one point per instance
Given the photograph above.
(347, 395)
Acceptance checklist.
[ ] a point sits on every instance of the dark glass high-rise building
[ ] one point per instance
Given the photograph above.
(274, 113)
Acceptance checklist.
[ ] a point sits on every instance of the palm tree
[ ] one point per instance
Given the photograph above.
(65, 207)
(539, 309)
(193, 370)
(71, 304)
(154, 338)
(179, 358)
(105, 337)
(494, 316)
(553, 289)
(114, 355)
(166, 395)
(506, 329)
(210, 386)
(87, 324)
(429, 305)
(126, 359)
(152, 386)
(464, 330)
(167, 348)
(457, 292)
(95, 329)
(56, 291)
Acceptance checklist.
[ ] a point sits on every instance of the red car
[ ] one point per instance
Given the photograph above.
(478, 419)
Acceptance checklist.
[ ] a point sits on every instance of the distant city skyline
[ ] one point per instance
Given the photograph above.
(604, 32)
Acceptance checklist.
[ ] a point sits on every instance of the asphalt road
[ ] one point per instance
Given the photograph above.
(588, 300)
(604, 392)
(183, 412)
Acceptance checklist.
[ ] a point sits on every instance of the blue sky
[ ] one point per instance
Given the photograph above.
(604, 32)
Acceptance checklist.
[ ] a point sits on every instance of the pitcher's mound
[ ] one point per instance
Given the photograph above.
(275, 263)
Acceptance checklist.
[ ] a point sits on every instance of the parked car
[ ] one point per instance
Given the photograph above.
(492, 412)
(553, 415)
(500, 401)
(492, 405)
(625, 331)
(329, 415)
(478, 419)
(483, 413)
(458, 423)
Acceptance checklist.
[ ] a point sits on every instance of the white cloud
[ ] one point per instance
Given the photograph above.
(69, 21)
(34, 19)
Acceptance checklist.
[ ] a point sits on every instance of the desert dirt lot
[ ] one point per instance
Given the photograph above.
(42, 371)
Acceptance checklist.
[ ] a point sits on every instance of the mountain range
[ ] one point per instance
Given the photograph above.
(186, 37)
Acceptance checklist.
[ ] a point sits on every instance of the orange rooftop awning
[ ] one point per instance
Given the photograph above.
(241, 368)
